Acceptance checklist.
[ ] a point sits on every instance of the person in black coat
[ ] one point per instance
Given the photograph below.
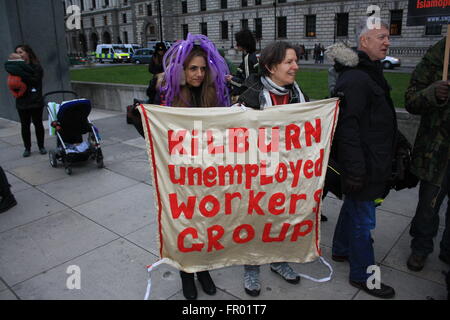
(30, 106)
(365, 140)
(245, 42)
(155, 67)
(8, 201)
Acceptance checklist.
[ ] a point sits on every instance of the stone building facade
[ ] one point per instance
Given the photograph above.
(304, 22)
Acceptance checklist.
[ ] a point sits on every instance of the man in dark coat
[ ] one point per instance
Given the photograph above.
(365, 141)
(428, 96)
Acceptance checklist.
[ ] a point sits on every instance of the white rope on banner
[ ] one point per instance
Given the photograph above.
(149, 281)
(322, 259)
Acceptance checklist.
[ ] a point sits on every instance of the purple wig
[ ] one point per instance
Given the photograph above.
(174, 60)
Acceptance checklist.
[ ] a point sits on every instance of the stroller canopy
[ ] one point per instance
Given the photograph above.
(73, 119)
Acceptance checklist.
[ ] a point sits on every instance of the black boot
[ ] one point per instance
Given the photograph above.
(7, 203)
(206, 282)
(188, 283)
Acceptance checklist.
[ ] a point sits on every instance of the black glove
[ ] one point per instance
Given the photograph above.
(353, 184)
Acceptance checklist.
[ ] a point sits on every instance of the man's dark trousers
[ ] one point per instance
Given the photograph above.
(352, 237)
(425, 225)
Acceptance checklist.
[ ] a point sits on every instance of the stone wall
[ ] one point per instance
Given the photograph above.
(117, 96)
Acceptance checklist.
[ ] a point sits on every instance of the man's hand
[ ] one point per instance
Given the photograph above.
(441, 90)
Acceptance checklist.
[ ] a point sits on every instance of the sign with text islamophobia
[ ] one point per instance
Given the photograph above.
(238, 186)
(431, 12)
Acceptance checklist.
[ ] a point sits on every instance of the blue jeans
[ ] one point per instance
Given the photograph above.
(352, 236)
(425, 225)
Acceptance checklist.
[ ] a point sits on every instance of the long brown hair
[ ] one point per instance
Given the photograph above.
(208, 92)
(33, 58)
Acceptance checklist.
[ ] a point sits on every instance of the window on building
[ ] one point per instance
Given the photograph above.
(257, 2)
(92, 22)
(342, 24)
(125, 37)
(396, 22)
(224, 30)
(202, 5)
(185, 28)
(141, 9)
(223, 4)
(433, 30)
(82, 5)
(184, 7)
(244, 3)
(124, 18)
(106, 3)
(105, 20)
(244, 24)
(125, 2)
(93, 4)
(149, 10)
(310, 25)
(282, 27)
(204, 28)
(258, 28)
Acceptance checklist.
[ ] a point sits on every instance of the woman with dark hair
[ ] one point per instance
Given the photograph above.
(30, 105)
(274, 86)
(155, 67)
(245, 42)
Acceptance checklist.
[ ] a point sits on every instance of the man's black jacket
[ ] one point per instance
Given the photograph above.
(366, 132)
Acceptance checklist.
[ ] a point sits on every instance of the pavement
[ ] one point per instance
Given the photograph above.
(101, 223)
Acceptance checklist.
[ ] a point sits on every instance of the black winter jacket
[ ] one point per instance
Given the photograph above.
(366, 131)
(33, 96)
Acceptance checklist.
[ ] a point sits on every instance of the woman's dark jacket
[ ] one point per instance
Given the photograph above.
(33, 96)
(366, 131)
(253, 97)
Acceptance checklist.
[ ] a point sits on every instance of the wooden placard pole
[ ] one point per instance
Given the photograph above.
(446, 57)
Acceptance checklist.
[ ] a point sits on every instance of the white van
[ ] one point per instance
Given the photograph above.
(112, 53)
(131, 48)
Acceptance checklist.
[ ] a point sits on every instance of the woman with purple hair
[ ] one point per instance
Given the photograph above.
(194, 76)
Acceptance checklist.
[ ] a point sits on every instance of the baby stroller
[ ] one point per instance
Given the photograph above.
(69, 121)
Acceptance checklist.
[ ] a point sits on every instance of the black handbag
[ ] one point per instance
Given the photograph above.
(402, 177)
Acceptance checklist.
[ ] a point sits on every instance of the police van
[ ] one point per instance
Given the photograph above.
(111, 53)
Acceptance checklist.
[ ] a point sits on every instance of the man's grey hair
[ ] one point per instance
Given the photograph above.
(366, 24)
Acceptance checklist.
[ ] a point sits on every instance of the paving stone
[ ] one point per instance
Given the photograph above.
(407, 287)
(124, 211)
(7, 295)
(31, 205)
(389, 226)
(114, 271)
(35, 248)
(137, 168)
(16, 183)
(82, 187)
(273, 287)
(399, 254)
(146, 237)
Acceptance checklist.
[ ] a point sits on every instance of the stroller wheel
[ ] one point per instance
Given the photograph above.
(68, 170)
(52, 158)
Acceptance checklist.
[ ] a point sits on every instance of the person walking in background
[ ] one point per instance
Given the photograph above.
(8, 201)
(365, 139)
(245, 42)
(30, 105)
(428, 96)
(274, 86)
(155, 67)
